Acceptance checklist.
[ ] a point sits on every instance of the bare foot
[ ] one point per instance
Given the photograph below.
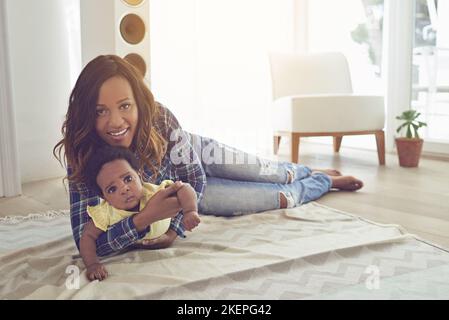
(347, 183)
(329, 172)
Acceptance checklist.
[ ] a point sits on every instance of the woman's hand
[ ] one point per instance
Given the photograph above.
(162, 242)
(164, 204)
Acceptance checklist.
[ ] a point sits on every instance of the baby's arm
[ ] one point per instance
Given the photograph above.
(88, 251)
(188, 201)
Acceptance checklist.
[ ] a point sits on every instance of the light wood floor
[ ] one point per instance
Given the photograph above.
(415, 198)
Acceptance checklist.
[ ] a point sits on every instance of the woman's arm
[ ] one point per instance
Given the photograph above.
(164, 204)
(183, 162)
(162, 242)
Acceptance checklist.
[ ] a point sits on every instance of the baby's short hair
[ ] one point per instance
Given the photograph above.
(102, 156)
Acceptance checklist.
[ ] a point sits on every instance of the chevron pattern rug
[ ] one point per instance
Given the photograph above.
(309, 252)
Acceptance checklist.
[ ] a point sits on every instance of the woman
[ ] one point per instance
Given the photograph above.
(110, 104)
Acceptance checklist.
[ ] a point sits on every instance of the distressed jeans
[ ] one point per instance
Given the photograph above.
(240, 183)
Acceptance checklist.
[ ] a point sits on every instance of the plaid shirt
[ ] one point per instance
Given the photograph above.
(124, 233)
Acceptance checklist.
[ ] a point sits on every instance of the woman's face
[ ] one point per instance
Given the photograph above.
(117, 113)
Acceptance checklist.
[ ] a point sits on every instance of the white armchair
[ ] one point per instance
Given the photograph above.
(313, 97)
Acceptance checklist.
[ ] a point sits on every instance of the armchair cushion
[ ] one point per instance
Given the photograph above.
(328, 113)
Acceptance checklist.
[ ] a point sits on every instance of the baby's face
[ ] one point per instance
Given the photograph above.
(120, 184)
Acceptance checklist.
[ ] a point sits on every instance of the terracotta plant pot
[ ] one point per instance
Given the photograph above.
(409, 151)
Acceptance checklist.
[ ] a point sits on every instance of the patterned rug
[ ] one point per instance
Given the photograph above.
(309, 252)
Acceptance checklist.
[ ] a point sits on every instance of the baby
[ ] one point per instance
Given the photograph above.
(113, 174)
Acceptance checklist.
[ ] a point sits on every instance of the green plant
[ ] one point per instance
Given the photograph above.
(410, 123)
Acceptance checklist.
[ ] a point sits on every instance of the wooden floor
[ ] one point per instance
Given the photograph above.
(415, 198)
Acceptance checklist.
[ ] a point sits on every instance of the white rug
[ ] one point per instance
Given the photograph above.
(18, 232)
(310, 252)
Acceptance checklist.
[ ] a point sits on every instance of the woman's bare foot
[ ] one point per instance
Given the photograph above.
(347, 183)
(329, 172)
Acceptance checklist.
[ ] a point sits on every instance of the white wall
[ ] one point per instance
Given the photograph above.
(9, 167)
(45, 61)
(173, 58)
(209, 63)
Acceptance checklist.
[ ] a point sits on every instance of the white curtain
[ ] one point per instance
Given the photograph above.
(9, 168)
(44, 46)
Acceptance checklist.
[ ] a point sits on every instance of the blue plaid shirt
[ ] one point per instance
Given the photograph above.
(124, 233)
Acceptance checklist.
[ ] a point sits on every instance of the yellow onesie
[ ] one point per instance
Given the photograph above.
(105, 215)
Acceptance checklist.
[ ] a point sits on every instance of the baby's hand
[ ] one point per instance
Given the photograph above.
(191, 220)
(96, 271)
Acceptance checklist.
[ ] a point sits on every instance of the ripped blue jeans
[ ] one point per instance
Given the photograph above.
(240, 183)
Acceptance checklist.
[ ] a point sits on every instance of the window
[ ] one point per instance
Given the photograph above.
(353, 27)
(430, 67)
(210, 65)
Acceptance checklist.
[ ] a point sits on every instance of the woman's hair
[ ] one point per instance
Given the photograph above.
(101, 157)
(80, 139)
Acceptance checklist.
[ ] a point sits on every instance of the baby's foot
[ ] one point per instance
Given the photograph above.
(329, 172)
(191, 220)
(347, 183)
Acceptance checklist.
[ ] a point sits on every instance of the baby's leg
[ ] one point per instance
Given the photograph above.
(187, 198)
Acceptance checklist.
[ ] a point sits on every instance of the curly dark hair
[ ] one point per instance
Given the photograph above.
(102, 156)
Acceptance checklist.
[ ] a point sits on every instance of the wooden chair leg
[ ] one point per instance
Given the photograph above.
(276, 143)
(337, 143)
(380, 141)
(295, 137)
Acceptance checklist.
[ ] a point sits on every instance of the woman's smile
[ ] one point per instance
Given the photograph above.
(119, 135)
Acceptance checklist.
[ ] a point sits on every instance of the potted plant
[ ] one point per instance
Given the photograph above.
(409, 147)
